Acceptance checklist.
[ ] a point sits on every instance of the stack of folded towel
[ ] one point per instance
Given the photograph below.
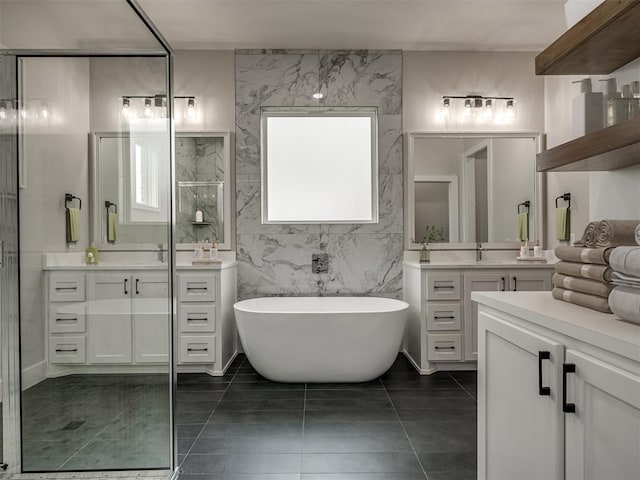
(584, 275)
(625, 297)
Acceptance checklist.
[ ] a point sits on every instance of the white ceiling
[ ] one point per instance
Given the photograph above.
(503, 25)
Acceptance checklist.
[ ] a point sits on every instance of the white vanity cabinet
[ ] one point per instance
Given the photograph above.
(206, 322)
(558, 390)
(442, 331)
(497, 281)
(104, 319)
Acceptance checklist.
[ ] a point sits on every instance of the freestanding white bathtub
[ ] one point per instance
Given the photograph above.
(321, 339)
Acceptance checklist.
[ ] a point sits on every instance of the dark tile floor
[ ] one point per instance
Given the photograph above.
(96, 422)
(402, 426)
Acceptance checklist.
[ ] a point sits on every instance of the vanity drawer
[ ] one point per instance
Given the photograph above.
(198, 318)
(443, 316)
(444, 347)
(197, 349)
(67, 318)
(66, 287)
(197, 287)
(443, 286)
(67, 349)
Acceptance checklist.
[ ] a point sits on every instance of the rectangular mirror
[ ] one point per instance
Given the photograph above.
(474, 186)
(319, 165)
(126, 203)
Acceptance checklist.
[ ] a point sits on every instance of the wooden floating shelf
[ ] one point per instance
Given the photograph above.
(608, 149)
(602, 42)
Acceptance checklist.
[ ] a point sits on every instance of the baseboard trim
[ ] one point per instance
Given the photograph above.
(34, 374)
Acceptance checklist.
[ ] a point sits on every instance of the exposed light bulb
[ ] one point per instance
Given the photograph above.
(190, 112)
(318, 95)
(148, 109)
(44, 111)
(126, 104)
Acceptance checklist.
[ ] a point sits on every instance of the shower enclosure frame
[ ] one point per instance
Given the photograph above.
(10, 349)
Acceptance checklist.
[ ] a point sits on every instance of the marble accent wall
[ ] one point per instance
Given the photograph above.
(364, 259)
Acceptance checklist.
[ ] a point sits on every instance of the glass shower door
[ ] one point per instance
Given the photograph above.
(95, 309)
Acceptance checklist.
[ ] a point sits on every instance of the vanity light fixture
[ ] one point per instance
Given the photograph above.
(477, 107)
(3, 112)
(155, 106)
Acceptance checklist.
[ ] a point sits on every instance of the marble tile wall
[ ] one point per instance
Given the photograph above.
(365, 259)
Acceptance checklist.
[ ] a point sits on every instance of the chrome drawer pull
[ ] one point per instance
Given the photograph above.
(443, 286)
(66, 289)
(451, 317)
(197, 288)
(445, 348)
(74, 319)
(197, 349)
(205, 319)
(67, 350)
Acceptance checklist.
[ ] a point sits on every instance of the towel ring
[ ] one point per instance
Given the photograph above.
(68, 198)
(108, 205)
(566, 197)
(524, 204)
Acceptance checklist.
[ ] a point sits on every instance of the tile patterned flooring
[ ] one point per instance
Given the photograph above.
(402, 426)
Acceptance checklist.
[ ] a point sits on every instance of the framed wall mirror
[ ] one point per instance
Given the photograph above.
(127, 194)
(477, 187)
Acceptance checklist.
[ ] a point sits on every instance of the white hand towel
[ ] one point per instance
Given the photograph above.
(626, 260)
(638, 234)
(618, 278)
(625, 303)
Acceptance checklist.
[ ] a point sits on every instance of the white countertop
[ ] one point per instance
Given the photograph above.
(589, 326)
(137, 267)
(495, 264)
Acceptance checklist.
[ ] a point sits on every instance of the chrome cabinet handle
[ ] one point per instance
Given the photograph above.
(504, 284)
(137, 289)
(197, 349)
(444, 348)
(515, 284)
(126, 281)
(70, 350)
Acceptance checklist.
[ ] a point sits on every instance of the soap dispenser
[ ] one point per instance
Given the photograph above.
(613, 114)
(630, 101)
(586, 110)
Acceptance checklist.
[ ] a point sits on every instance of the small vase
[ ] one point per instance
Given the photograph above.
(424, 255)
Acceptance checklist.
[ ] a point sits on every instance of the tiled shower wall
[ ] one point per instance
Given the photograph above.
(364, 259)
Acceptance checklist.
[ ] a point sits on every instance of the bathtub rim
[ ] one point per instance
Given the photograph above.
(244, 306)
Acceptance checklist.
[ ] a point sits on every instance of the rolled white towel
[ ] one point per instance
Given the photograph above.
(625, 303)
(626, 260)
(618, 278)
(638, 234)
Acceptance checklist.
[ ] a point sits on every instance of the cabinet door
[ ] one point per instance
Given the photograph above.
(603, 434)
(520, 427)
(530, 280)
(150, 318)
(477, 282)
(109, 319)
